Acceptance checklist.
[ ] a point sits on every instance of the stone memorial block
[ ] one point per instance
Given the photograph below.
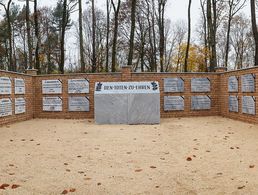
(233, 103)
(5, 107)
(127, 103)
(174, 103)
(200, 85)
(78, 86)
(233, 84)
(248, 83)
(79, 104)
(248, 105)
(173, 85)
(201, 102)
(5, 86)
(52, 104)
(51, 87)
(20, 106)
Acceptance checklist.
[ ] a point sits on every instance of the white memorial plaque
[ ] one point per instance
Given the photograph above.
(248, 105)
(202, 102)
(78, 86)
(233, 84)
(52, 104)
(5, 86)
(174, 103)
(248, 83)
(233, 103)
(20, 105)
(51, 87)
(79, 104)
(173, 85)
(5, 107)
(200, 85)
(19, 86)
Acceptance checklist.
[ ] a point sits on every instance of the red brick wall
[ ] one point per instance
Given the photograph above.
(219, 94)
(29, 98)
(224, 111)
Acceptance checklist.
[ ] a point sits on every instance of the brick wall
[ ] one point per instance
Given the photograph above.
(29, 98)
(224, 103)
(219, 94)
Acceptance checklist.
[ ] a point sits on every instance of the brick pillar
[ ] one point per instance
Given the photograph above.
(32, 72)
(126, 73)
(220, 69)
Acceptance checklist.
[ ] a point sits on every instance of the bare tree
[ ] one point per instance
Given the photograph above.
(255, 31)
(189, 35)
(116, 9)
(7, 12)
(81, 37)
(234, 7)
(131, 47)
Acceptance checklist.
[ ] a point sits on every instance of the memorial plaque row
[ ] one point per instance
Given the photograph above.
(247, 81)
(6, 106)
(6, 86)
(176, 103)
(75, 86)
(75, 104)
(177, 85)
(248, 104)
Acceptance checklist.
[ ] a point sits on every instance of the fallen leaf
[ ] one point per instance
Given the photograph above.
(79, 156)
(128, 152)
(232, 148)
(11, 165)
(66, 164)
(81, 172)
(251, 166)
(162, 159)
(156, 186)
(99, 184)
(189, 159)
(72, 190)
(65, 192)
(3, 186)
(153, 167)
(14, 186)
(87, 178)
(241, 187)
(138, 170)
(68, 170)
(11, 173)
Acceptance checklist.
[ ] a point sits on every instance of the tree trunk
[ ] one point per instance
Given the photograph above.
(107, 37)
(161, 19)
(131, 49)
(255, 32)
(37, 36)
(81, 37)
(94, 59)
(28, 33)
(114, 49)
(62, 44)
(189, 36)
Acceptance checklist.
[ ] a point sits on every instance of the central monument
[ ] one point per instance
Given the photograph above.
(127, 102)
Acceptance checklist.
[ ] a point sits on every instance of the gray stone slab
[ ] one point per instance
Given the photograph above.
(233, 103)
(111, 108)
(233, 84)
(248, 83)
(143, 108)
(5, 107)
(200, 85)
(78, 104)
(248, 105)
(173, 85)
(201, 102)
(174, 103)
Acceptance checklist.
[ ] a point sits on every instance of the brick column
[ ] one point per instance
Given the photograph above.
(126, 73)
(32, 72)
(220, 69)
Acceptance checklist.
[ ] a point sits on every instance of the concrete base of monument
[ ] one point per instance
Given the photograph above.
(203, 155)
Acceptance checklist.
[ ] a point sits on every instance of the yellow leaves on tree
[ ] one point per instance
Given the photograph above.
(196, 60)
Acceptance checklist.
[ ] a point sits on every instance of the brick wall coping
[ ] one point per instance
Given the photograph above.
(244, 69)
(177, 73)
(15, 73)
(77, 74)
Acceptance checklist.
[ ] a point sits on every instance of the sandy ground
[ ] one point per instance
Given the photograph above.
(208, 155)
